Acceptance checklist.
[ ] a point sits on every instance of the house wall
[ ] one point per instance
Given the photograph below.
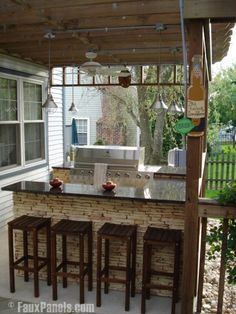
(53, 135)
(88, 103)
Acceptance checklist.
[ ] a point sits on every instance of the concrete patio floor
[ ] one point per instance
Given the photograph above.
(111, 303)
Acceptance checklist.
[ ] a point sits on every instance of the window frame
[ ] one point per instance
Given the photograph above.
(88, 129)
(20, 146)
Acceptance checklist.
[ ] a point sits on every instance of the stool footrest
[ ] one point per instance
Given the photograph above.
(156, 286)
(120, 268)
(114, 280)
(161, 273)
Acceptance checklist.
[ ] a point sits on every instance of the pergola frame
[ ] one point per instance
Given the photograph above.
(23, 24)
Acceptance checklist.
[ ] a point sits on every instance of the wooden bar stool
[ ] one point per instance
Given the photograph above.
(153, 237)
(29, 224)
(81, 229)
(127, 233)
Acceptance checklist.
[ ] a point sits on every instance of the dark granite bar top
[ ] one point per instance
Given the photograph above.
(159, 190)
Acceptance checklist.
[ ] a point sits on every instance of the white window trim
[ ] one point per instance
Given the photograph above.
(20, 79)
(88, 126)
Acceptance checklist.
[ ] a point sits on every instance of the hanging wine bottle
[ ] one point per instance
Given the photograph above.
(196, 98)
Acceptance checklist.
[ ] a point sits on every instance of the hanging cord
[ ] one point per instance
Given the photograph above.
(73, 84)
(181, 8)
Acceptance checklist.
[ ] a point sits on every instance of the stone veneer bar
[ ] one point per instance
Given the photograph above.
(160, 205)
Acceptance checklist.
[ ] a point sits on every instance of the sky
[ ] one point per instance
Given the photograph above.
(230, 59)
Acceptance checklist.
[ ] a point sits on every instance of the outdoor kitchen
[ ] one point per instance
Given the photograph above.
(123, 165)
(143, 196)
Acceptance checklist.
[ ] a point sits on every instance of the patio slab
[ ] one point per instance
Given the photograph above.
(111, 303)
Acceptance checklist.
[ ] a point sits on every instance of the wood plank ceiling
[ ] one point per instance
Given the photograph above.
(121, 31)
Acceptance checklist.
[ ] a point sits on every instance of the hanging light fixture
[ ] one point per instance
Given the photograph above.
(159, 103)
(49, 105)
(73, 107)
(174, 108)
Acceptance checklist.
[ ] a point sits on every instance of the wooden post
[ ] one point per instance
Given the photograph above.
(194, 151)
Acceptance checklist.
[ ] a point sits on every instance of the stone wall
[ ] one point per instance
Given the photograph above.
(99, 211)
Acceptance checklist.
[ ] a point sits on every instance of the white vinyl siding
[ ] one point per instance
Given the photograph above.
(88, 103)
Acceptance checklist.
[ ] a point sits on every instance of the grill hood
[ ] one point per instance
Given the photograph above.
(113, 156)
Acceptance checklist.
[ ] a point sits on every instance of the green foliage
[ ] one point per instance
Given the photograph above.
(222, 104)
(171, 138)
(99, 141)
(226, 196)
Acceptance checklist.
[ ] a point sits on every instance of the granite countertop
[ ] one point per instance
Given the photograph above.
(158, 190)
(165, 170)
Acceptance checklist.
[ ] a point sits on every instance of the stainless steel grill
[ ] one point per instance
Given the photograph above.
(122, 162)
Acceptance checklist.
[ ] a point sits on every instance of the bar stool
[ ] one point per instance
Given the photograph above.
(81, 229)
(127, 233)
(29, 224)
(156, 236)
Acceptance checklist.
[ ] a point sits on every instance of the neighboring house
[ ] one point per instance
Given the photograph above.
(31, 141)
(97, 119)
(88, 103)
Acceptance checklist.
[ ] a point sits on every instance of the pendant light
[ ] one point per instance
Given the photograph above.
(174, 108)
(73, 107)
(49, 105)
(159, 103)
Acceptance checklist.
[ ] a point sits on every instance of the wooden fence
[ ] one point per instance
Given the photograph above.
(221, 169)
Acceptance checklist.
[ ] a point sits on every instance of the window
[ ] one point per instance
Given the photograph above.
(82, 130)
(21, 122)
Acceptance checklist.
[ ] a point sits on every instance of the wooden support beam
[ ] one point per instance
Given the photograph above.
(204, 9)
(191, 230)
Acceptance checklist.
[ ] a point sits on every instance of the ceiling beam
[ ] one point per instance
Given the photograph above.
(207, 9)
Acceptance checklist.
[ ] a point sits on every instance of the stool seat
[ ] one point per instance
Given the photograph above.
(153, 237)
(162, 235)
(117, 231)
(64, 228)
(29, 224)
(128, 234)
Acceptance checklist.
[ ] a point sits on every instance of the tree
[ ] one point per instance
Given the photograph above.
(138, 102)
(222, 104)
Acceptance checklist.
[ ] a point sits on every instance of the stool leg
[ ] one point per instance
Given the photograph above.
(127, 279)
(64, 261)
(133, 271)
(99, 264)
(149, 265)
(90, 259)
(48, 239)
(54, 265)
(144, 278)
(25, 252)
(81, 267)
(11, 259)
(106, 284)
(36, 263)
(176, 277)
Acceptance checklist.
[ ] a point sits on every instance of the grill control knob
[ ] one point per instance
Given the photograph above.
(147, 176)
(138, 176)
(117, 174)
(109, 174)
(127, 175)
(90, 172)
